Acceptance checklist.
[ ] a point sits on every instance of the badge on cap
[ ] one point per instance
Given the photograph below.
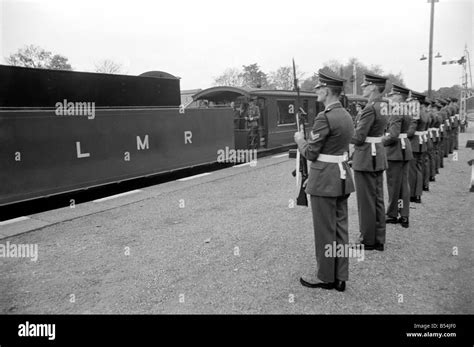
(314, 136)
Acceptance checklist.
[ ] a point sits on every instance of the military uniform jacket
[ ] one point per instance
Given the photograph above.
(430, 135)
(331, 134)
(455, 122)
(370, 123)
(445, 122)
(398, 124)
(421, 125)
(437, 121)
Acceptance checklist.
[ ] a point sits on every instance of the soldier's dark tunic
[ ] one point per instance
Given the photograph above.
(446, 132)
(430, 163)
(454, 128)
(399, 153)
(450, 127)
(438, 120)
(369, 162)
(329, 185)
(427, 155)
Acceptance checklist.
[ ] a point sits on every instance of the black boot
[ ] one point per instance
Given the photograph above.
(404, 222)
(391, 220)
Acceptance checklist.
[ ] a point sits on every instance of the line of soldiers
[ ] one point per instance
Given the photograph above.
(406, 135)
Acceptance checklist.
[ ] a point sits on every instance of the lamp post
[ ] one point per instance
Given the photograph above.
(430, 54)
(430, 69)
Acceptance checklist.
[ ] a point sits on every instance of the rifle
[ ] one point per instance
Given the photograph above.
(301, 171)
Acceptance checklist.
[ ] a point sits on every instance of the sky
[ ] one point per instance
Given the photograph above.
(198, 39)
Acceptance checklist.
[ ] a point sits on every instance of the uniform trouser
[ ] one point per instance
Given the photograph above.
(441, 151)
(451, 141)
(330, 220)
(426, 168)
(431, 162)
(398, 188)
(254, 137)
(370, 203)
(415, 174)
(435, 158)
(456, 139)
(446, 142)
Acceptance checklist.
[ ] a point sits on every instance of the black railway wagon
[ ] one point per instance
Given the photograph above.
(277, 123)
(136, 129)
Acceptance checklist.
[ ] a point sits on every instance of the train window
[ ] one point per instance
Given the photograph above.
(286, 112)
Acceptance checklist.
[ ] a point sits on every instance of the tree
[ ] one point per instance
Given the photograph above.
(253, 77)
(283, 78)
(58, 62)
(230, 77)
(347, 71)
(446, 92)
(108, 66)
(39, 58)
(309, 83)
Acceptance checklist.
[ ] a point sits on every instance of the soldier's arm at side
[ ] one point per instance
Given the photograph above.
(412, 128)
(393, 131)
(363, 126)
(310, 149)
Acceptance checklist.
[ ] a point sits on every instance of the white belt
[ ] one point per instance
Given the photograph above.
(336, 159)
(425, 135)
(373, 141)
(402, 138)
(421, 136)
(430, 131)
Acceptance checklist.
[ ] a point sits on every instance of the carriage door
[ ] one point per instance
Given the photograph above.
(263, 126)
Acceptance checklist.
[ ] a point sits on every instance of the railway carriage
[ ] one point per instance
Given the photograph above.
(277, 109)
(64, 131)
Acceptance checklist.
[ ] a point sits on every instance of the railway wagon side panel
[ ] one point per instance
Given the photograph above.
(278, 134)
(43, 154)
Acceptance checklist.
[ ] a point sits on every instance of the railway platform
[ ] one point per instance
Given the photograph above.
(231, 242)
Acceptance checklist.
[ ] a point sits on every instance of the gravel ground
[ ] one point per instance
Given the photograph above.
(237, 247)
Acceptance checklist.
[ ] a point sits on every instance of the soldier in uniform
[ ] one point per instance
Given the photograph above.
(437, 135)
(330, 182)
(442, 116)
(426, 169)
(450, 126)
(419, 147)
(429, 169)
(369, 162)
(455, 123)
(253, 117)
(399, 154)
(446, 130)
